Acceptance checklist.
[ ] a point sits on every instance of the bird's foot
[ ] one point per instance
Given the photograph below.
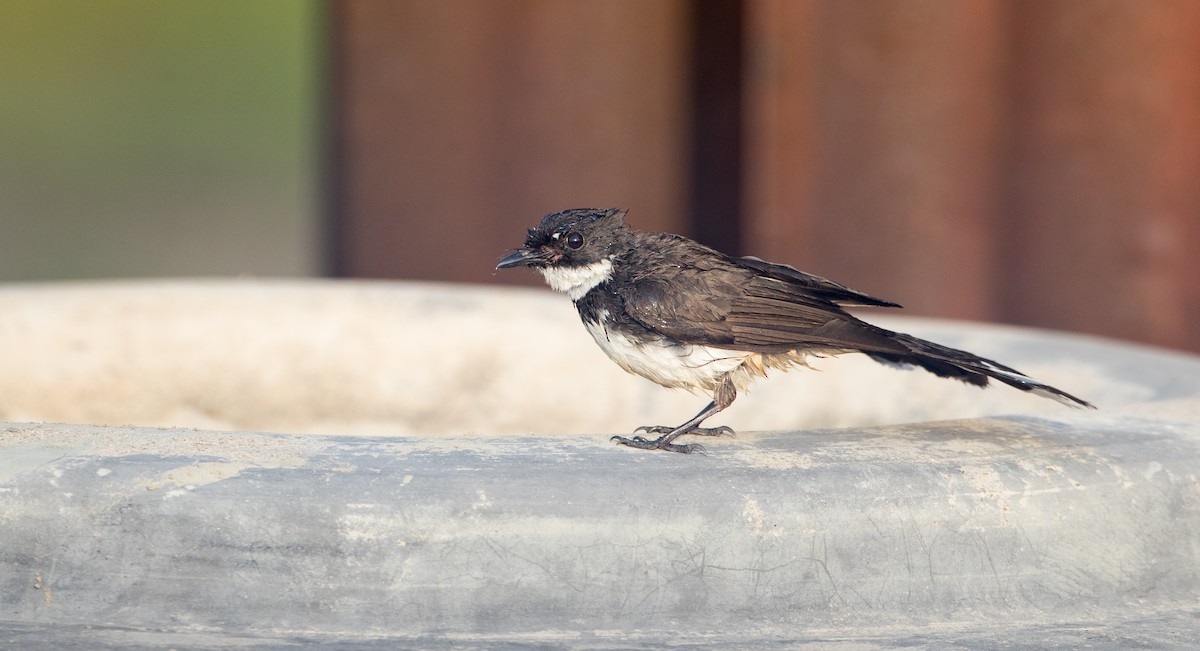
(644, 443)
(723, 430)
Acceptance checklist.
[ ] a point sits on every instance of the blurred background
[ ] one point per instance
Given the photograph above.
(1021, 161)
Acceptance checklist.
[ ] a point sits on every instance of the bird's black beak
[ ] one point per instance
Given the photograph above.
(521, 258)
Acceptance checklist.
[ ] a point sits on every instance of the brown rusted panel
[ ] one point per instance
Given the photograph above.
(904, 194)
(1104, 200)
(461, 123)
(872, 145)
(1032, 161)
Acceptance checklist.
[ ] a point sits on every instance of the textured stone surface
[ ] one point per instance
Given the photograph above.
(1033, 528)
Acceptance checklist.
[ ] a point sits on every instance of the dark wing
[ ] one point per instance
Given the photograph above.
(814, 286)
(776, 314)
(687, 304)
(747, 304)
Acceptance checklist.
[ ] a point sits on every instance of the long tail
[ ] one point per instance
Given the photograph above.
(968, 367)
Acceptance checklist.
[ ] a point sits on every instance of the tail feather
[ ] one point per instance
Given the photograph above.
(970, 368)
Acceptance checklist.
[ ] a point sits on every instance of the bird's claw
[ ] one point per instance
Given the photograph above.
(655, 429)
(722, 430)
(644, 443)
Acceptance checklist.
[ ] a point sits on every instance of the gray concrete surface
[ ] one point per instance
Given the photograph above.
(1025, 527)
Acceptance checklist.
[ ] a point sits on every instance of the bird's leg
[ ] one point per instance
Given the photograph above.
(722, 398)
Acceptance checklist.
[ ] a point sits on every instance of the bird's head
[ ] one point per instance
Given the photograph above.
(573, 249)
(579, 237)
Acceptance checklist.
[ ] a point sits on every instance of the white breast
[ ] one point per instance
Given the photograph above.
(671, 365)
(577, 281)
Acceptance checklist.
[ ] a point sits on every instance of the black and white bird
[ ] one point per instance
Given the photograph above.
(684, 315)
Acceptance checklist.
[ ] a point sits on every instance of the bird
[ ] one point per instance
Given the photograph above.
(684, 315)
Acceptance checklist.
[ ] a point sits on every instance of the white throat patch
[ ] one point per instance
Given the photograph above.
(577, 281)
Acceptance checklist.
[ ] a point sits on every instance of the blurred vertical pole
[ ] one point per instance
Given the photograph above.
(1103, 229)
(716, 155)
(779, 130)
(890, 187)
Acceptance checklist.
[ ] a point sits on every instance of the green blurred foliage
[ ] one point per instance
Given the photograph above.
(156, 137)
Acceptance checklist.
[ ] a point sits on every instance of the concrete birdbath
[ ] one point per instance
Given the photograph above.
(261, 464)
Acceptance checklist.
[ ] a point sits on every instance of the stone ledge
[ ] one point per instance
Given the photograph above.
(905, 531)
(1030, 529)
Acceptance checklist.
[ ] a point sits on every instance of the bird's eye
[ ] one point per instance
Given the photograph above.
(574, 240)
